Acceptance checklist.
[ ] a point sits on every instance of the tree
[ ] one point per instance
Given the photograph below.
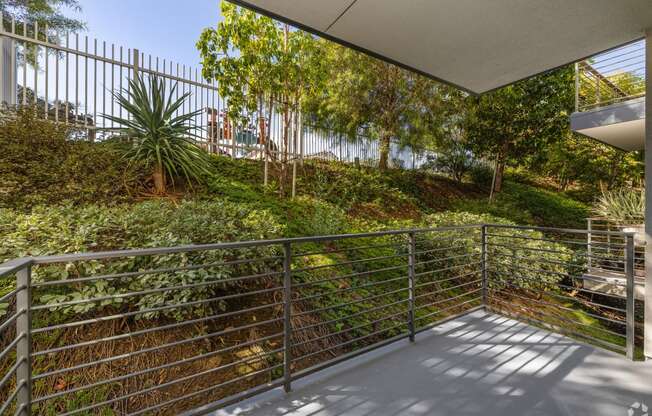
(260, 63)
(514, 123)
(44, 12)
(158, 138)
(361, 92)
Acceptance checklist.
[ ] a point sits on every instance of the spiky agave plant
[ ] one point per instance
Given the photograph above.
(624, 206)
(158, 138)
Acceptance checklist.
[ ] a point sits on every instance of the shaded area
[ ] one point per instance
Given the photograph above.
(480, 364)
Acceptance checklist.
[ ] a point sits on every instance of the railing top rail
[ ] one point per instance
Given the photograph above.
(64, 258)
(14, 265)
(561, 230)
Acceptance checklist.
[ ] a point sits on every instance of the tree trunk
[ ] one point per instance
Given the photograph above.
(383, 163)
(159, 180)
(499, 172)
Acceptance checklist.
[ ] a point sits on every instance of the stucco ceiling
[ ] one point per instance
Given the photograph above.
(475, 45)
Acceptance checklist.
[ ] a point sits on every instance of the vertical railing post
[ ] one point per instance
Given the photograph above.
(630, 307)
(287, 316)
(136, 64)
(484, 261)
(24, 345)
(589, 242)
(411, 284)
(7, 69)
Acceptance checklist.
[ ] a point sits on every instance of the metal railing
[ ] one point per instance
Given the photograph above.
(72, 79)
(611, 77)
(195, 328)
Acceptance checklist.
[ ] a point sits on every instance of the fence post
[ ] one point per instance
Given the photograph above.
(630, 308)
(136, 65)
(24, 345)
(287, 316)
(7, 69)
(589, 242)
(484, 254)
(411, 287)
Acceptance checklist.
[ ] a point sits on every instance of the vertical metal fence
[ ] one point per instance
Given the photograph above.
(72, 79)
(195, 328)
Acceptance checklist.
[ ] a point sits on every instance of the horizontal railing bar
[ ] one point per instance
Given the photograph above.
(423, 295)
(347, 263)
(348, 289)
(342, 250)
(539, 259)
(341, 305)
(572, 320)
(12, 266)
(552, 305)
(457, 305)
(157, 290)
(149, 409)
(11, 346)
(474, 263)
(344, 331)
(434, 282)
(154, 271)
(64, 258)
(343, 318)
(581, 289)
(10, 372)
(557, 230)
(544, 250)
(11, 398)
(440, 249)
(112, 338)
(550, 240)
(446, 259)
(11, 320)
(128, 355)
(14, 292)
(557, 328)
(351, 341)
(348, 276)
(149, 310)
(258, 357)
(429, 305)
(207, 389)
(542, 271)
(465, 237)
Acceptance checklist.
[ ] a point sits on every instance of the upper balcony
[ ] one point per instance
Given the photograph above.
(610, 97)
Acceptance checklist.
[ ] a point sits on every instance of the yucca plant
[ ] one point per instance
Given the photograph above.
(158, 138)
(624, 206)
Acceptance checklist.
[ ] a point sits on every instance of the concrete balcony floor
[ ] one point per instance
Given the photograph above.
(479, 364)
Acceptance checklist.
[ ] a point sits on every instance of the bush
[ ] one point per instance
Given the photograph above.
(624, 206)
(482, 175)
(55, 230)
(40, 163)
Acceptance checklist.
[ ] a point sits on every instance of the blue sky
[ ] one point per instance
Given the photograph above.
(164, 28)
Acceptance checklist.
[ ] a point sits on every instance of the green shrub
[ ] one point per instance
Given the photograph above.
(67, 229)
(41, 163)
(481, 175)
(625, 206)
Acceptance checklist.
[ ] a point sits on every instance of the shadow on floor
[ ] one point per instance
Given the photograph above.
(480, 364)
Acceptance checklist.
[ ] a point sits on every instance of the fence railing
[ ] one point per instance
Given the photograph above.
(72, 79)
(612, 77)
(195, 328)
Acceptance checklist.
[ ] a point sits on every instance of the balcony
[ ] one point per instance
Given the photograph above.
(493, 312)
(610, 97)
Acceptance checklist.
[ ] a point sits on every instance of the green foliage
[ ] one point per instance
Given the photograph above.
(482, 175)
(41, 163)
(526, 204)
(625, 206)
(160, 140)
(51, 230)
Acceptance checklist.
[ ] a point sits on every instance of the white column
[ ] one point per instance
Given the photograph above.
(648, 195)
(7, 71)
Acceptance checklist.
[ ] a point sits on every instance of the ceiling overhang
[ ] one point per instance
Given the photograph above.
(475, 45)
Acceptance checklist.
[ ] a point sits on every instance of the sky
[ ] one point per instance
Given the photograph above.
(168, 29)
